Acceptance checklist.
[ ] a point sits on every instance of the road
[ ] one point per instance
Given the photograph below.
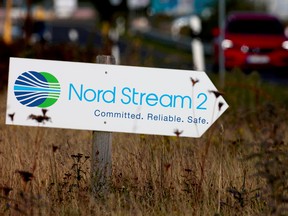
(177, 53)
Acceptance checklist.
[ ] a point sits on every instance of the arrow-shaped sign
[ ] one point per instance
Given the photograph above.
(111, 98)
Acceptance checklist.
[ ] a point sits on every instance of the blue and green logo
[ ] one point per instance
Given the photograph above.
(37, 89)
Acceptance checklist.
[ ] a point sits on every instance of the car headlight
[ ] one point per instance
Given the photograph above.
(285, 45)
(226, 44)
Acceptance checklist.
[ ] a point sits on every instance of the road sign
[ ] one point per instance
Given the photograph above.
(112, 98)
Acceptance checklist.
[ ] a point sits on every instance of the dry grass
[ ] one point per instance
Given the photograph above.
(231, 170)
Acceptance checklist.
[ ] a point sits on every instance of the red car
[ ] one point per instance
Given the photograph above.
(253, 41)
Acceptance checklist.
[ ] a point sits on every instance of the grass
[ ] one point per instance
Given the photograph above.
(238, 167)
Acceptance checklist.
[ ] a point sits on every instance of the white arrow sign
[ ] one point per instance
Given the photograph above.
(111, 98)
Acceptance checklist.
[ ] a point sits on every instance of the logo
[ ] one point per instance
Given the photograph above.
(37, 89)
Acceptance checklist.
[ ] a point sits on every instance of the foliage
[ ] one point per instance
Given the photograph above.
(211, 22)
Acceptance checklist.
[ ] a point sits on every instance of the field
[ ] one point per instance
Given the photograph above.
(238, 167)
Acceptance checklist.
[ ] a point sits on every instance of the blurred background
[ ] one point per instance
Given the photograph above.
(176, 34)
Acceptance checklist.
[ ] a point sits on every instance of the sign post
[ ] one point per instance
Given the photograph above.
(101, 161)
(105, 98)
(221, 22)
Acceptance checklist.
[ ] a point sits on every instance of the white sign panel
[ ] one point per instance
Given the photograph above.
(113, 98)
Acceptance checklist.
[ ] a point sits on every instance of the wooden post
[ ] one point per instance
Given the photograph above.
(101, 160)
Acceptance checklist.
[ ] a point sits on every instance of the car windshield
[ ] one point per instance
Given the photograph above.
(250, 26)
